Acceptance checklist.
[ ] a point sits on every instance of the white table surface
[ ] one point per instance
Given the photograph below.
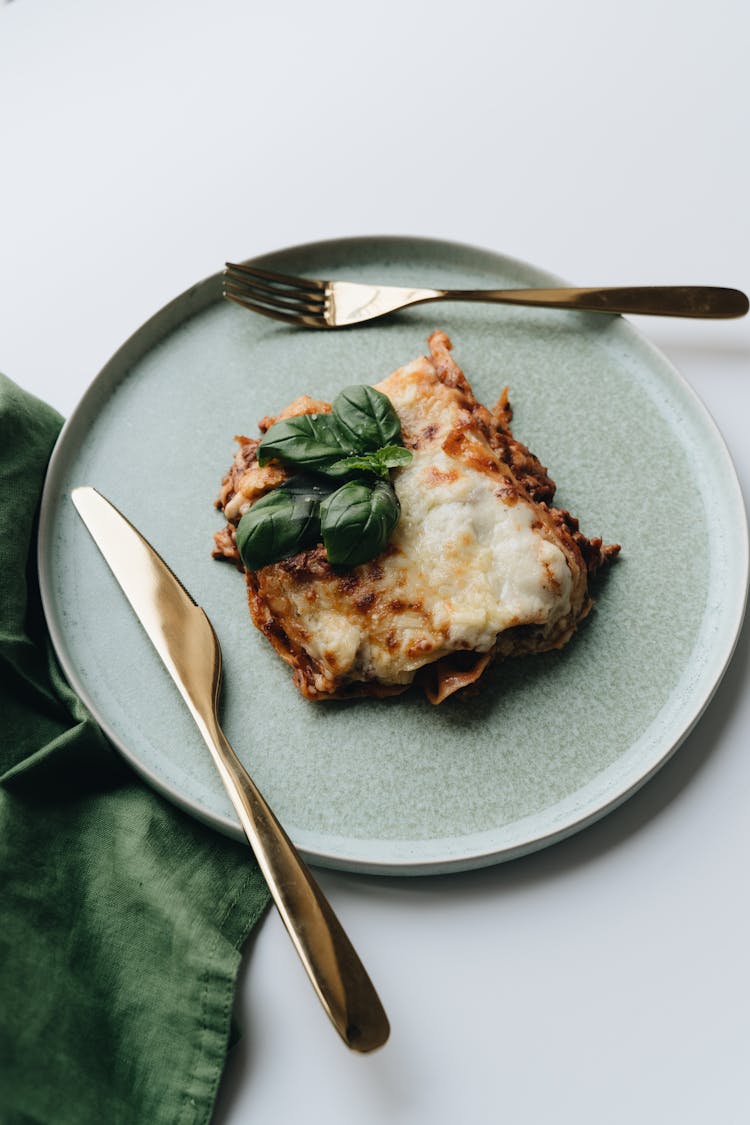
(142, 143)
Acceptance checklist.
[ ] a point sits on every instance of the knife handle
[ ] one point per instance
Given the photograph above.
(331, 962)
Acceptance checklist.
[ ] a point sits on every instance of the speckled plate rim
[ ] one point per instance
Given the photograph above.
(590, 803)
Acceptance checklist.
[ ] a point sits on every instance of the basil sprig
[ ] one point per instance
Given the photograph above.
(378, 463)
(363, 421)
(359, 443)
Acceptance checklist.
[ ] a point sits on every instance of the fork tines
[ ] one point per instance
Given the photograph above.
(295, 300)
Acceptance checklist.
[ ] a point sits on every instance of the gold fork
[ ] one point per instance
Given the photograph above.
(336, 304)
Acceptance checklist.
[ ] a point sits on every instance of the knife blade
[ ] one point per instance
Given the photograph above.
(184, 638)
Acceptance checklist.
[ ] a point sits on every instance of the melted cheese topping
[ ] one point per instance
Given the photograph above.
(478, 562)
(466, 565)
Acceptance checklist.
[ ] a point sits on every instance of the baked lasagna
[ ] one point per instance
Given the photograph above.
(481, 566)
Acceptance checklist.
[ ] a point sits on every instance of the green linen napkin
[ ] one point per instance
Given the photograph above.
(121, 918)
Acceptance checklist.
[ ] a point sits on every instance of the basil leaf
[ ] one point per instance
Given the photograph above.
(304, 484)
(378, 463)
(359, 463)
(279, 524)
(367, 418)
(356, 521)
(394, 456)
(309, 441)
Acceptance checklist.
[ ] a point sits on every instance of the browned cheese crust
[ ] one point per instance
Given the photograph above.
(287, 598)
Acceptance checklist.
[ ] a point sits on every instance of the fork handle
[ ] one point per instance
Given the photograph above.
(330, 960)
(709, 301)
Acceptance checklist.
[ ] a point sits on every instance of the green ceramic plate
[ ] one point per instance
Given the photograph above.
(398, 786)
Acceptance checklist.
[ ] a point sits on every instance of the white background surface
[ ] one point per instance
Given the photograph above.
(142, 143)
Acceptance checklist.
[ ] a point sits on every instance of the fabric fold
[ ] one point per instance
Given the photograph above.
(121, 918)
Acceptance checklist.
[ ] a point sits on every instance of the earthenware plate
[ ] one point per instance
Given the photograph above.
(399, 786)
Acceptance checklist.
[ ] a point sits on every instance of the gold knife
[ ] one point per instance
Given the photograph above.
(185, 640)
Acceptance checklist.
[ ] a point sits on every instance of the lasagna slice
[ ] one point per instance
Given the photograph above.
(480, 567)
